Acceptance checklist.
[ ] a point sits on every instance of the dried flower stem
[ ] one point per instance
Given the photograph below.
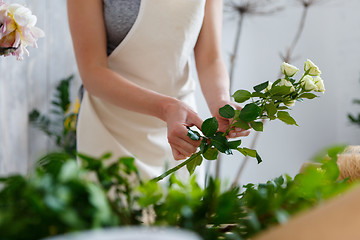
(288, 57)
(235, 50)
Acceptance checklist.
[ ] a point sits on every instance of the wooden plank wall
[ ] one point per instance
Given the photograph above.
(29, 84)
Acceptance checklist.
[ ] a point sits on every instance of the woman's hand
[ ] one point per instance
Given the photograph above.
(178, 116)
(224, 123)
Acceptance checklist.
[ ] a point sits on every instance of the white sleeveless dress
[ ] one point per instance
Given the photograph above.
(155, 54)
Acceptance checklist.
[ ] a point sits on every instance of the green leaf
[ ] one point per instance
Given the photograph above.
(193, 135)
(151, 193)
(250, 112)
(257, 126)
(271, 109)
(234, 144)
(242, 124)
(204, 145)
(276, 82)
(262, 86)
(129, 163)
(356, 101)
(250, 152)
(308, 95)
(210, 126)
(258, 158)
(283, 108)
(227, 111)
(286, 118)
(211, 154)
(280, 90)
(221, 143)
(191, 166)
(241, 96)
(258, 94)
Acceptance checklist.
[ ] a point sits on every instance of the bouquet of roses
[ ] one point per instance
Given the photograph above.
(17, 30)
(268, 101)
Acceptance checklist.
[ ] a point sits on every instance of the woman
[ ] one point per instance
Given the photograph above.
(139, 94)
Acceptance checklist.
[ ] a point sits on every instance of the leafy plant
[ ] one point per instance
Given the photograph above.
(61, 196)
(268, 101)
(60, 125)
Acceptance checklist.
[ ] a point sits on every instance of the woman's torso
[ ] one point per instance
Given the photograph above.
(154, 52)
(119, 17)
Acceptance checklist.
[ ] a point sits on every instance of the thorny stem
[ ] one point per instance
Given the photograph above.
(174, 169)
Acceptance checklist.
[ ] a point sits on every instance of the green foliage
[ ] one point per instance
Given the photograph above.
(60, 124)
(59, 197)
(47, 204)
(210, 127)
(276, 201)
(286, 118)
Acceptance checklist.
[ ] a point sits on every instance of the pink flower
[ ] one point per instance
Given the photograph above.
(17, 29)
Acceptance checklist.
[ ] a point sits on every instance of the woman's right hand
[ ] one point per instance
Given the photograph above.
(178, 117)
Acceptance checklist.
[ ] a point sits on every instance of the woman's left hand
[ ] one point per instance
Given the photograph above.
(224, 123)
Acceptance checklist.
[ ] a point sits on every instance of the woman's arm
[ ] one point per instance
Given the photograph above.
(89, 38)
(212, 73)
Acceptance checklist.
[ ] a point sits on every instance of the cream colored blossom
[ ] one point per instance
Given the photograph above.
(308, 83)
(290, 103)
(287, 83)
(311, 68)
(319, 84)
(288, 69)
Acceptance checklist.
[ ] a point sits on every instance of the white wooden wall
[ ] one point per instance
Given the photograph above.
(30, 83)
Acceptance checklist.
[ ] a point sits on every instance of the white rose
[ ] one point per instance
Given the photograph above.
(288, 70)
(268, 87)
(311, 68)
(290, 103)
(319, 84)
(284, 82)
(308, 83)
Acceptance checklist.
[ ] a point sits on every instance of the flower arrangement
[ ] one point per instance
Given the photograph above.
(268, 101)
(17, 30)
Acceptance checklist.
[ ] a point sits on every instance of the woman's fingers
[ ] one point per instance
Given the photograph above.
(239, 132)
(182, 143)
(177, 155)
(179, 116)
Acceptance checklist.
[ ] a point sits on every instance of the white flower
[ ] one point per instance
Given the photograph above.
(311, 68)
(18, 29)
(287, 83)
(288, 70)
(268, 87)
(319, 84)
(290, 103)
(308, 83)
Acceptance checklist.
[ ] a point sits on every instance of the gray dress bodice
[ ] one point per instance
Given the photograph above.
(119, 16)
